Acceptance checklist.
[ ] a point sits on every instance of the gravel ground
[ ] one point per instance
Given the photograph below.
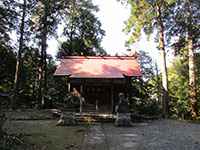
(156, 135)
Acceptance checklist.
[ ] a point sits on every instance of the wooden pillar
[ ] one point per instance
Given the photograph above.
(112, 98)
(96, 105)
(81, 100)
(128, 86)
(68, 84)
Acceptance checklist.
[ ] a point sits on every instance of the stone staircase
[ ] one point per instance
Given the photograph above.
(94, 117)
(88, 115)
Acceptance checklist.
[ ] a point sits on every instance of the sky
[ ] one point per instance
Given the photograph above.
(112, 15)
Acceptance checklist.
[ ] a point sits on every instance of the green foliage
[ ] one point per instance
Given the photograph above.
(147, 66)
(29, 80)
(143, 17)
(83, 33)
(79, 21)
(7, 61)
(183, 20)
(40, 9)
(82, 30)
(178, 85)
(179, 21)
(144, 100)
(56, 86)
(145, 91)
(7, 20)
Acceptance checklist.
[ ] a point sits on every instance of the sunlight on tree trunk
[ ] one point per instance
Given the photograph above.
(192, 78)
(191, 63)
(19, 59)
(158, 87)
(163, 63)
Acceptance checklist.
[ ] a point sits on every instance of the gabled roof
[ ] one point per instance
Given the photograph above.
(98, 67)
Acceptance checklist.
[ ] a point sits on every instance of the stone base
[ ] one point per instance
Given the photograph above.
(123, 120)
(67, 119)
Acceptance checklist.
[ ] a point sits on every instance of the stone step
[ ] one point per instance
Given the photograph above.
(95, 117)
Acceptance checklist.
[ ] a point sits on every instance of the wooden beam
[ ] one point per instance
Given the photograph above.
(100, 81)
(81, 89)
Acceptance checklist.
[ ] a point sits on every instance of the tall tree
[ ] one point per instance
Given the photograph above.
(191, 58)
(82, 30)
(147, 15)
(19, 56)
(41, 25)
(185, 25)
(44, 33)
(47, 14)
(7, 57)
(159, 7)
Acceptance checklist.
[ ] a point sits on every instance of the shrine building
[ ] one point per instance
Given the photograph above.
(99, 79)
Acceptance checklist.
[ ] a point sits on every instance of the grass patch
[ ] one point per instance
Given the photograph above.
(45, 135)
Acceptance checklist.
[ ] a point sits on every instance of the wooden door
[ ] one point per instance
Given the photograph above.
(100, 96)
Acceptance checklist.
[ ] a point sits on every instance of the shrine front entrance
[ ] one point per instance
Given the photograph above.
(99, 97)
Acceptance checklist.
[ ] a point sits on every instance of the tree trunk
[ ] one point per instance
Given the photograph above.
(191, 64)
(165, 96)
(19, 59)
(43, 63)
(158, 83)
(192, 78)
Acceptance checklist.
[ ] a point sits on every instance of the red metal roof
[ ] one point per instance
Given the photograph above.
(98, 67)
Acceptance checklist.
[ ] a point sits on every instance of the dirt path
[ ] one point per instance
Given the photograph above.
(95, 138)
(156, 135)
(109, 137)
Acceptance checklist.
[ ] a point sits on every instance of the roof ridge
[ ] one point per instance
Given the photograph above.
(98, 57)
